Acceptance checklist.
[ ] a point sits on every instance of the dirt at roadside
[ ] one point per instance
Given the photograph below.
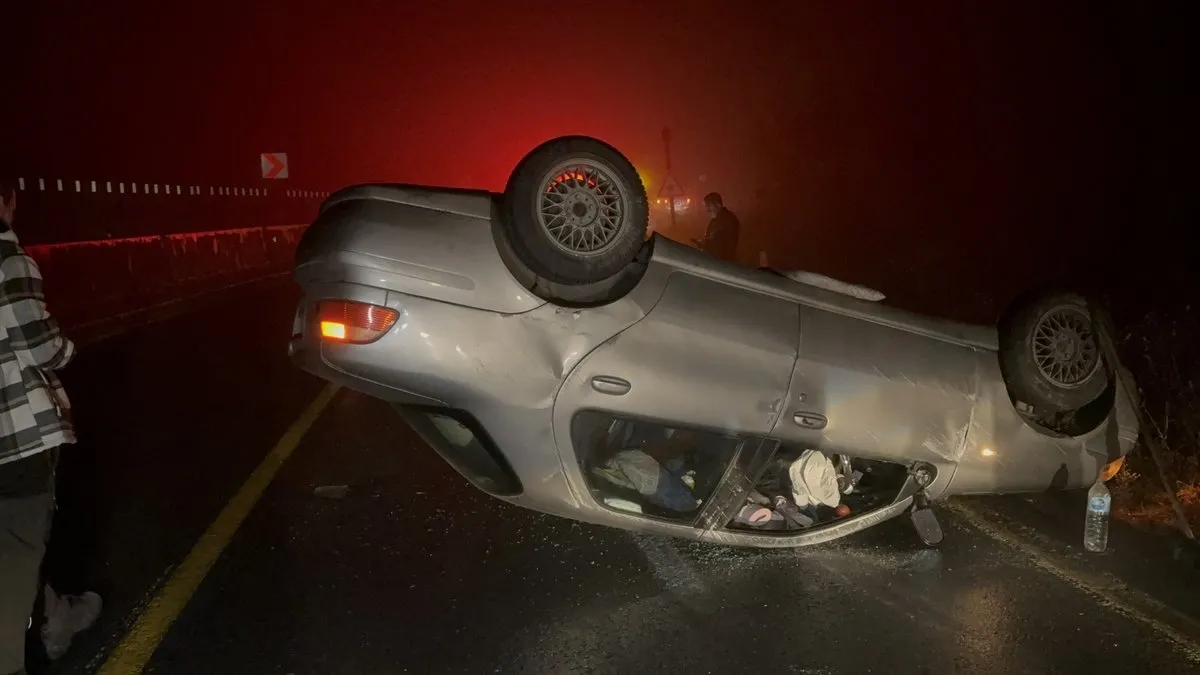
(1160, 344)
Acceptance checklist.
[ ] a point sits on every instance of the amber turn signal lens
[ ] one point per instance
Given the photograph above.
(1111, 469)
(354, 322)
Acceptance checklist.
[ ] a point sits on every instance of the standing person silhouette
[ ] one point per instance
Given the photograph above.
(721, 238)
(35, 422)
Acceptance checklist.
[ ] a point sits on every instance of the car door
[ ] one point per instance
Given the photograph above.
(877, 391)
(710, 364)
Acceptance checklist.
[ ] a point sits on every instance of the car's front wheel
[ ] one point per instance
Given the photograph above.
(1050, 355)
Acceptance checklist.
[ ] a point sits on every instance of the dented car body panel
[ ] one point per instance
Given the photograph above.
(697, 343)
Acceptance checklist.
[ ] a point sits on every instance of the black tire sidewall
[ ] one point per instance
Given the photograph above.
(1021, 373)
(533, 244)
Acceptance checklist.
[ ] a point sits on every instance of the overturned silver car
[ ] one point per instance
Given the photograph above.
(562, 361)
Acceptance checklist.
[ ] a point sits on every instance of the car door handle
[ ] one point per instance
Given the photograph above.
(810, 420)
(613, 386)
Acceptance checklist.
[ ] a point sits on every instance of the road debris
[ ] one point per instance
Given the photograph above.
(332, 491)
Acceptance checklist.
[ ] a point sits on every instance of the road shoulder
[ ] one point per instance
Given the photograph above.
(1136, 575)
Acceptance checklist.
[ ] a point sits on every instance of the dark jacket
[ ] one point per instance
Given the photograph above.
(721, 239)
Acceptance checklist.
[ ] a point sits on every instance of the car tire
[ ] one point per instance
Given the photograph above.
(575, 211)
(1049, 353)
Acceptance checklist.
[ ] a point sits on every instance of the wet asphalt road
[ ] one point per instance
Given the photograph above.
(171, 418)
(414, 571)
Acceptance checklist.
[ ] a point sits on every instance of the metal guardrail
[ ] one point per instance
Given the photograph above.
(54, 210)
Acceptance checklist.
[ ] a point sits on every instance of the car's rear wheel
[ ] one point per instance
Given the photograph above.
(575, 211)
(1050, 354)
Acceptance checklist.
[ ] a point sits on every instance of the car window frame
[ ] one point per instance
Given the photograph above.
(417, 417)
(714, 506)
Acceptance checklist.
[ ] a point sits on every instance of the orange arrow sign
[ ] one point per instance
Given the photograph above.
(274, 165)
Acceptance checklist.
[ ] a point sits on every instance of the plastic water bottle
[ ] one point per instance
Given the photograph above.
(1095, 527)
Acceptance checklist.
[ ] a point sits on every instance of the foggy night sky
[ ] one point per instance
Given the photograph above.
(940, 131)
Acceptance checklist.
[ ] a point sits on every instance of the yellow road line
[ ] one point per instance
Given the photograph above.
(138, 645)
(1110, 591)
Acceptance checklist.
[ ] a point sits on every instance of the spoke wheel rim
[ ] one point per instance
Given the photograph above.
(581, 207)
(1064, 348)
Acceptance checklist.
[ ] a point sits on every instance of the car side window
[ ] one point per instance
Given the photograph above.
(459, 439)
(650, 468)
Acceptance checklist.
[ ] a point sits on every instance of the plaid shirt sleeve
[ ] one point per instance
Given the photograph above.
(33, 334)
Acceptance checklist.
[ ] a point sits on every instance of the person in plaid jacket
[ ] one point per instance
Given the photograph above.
(35, 420)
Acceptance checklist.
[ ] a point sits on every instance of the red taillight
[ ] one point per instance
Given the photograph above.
(354, 322)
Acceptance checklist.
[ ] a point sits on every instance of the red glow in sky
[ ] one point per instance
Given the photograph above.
(932, 128)
(444, 94)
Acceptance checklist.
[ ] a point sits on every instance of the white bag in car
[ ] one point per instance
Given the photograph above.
(814, 480)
